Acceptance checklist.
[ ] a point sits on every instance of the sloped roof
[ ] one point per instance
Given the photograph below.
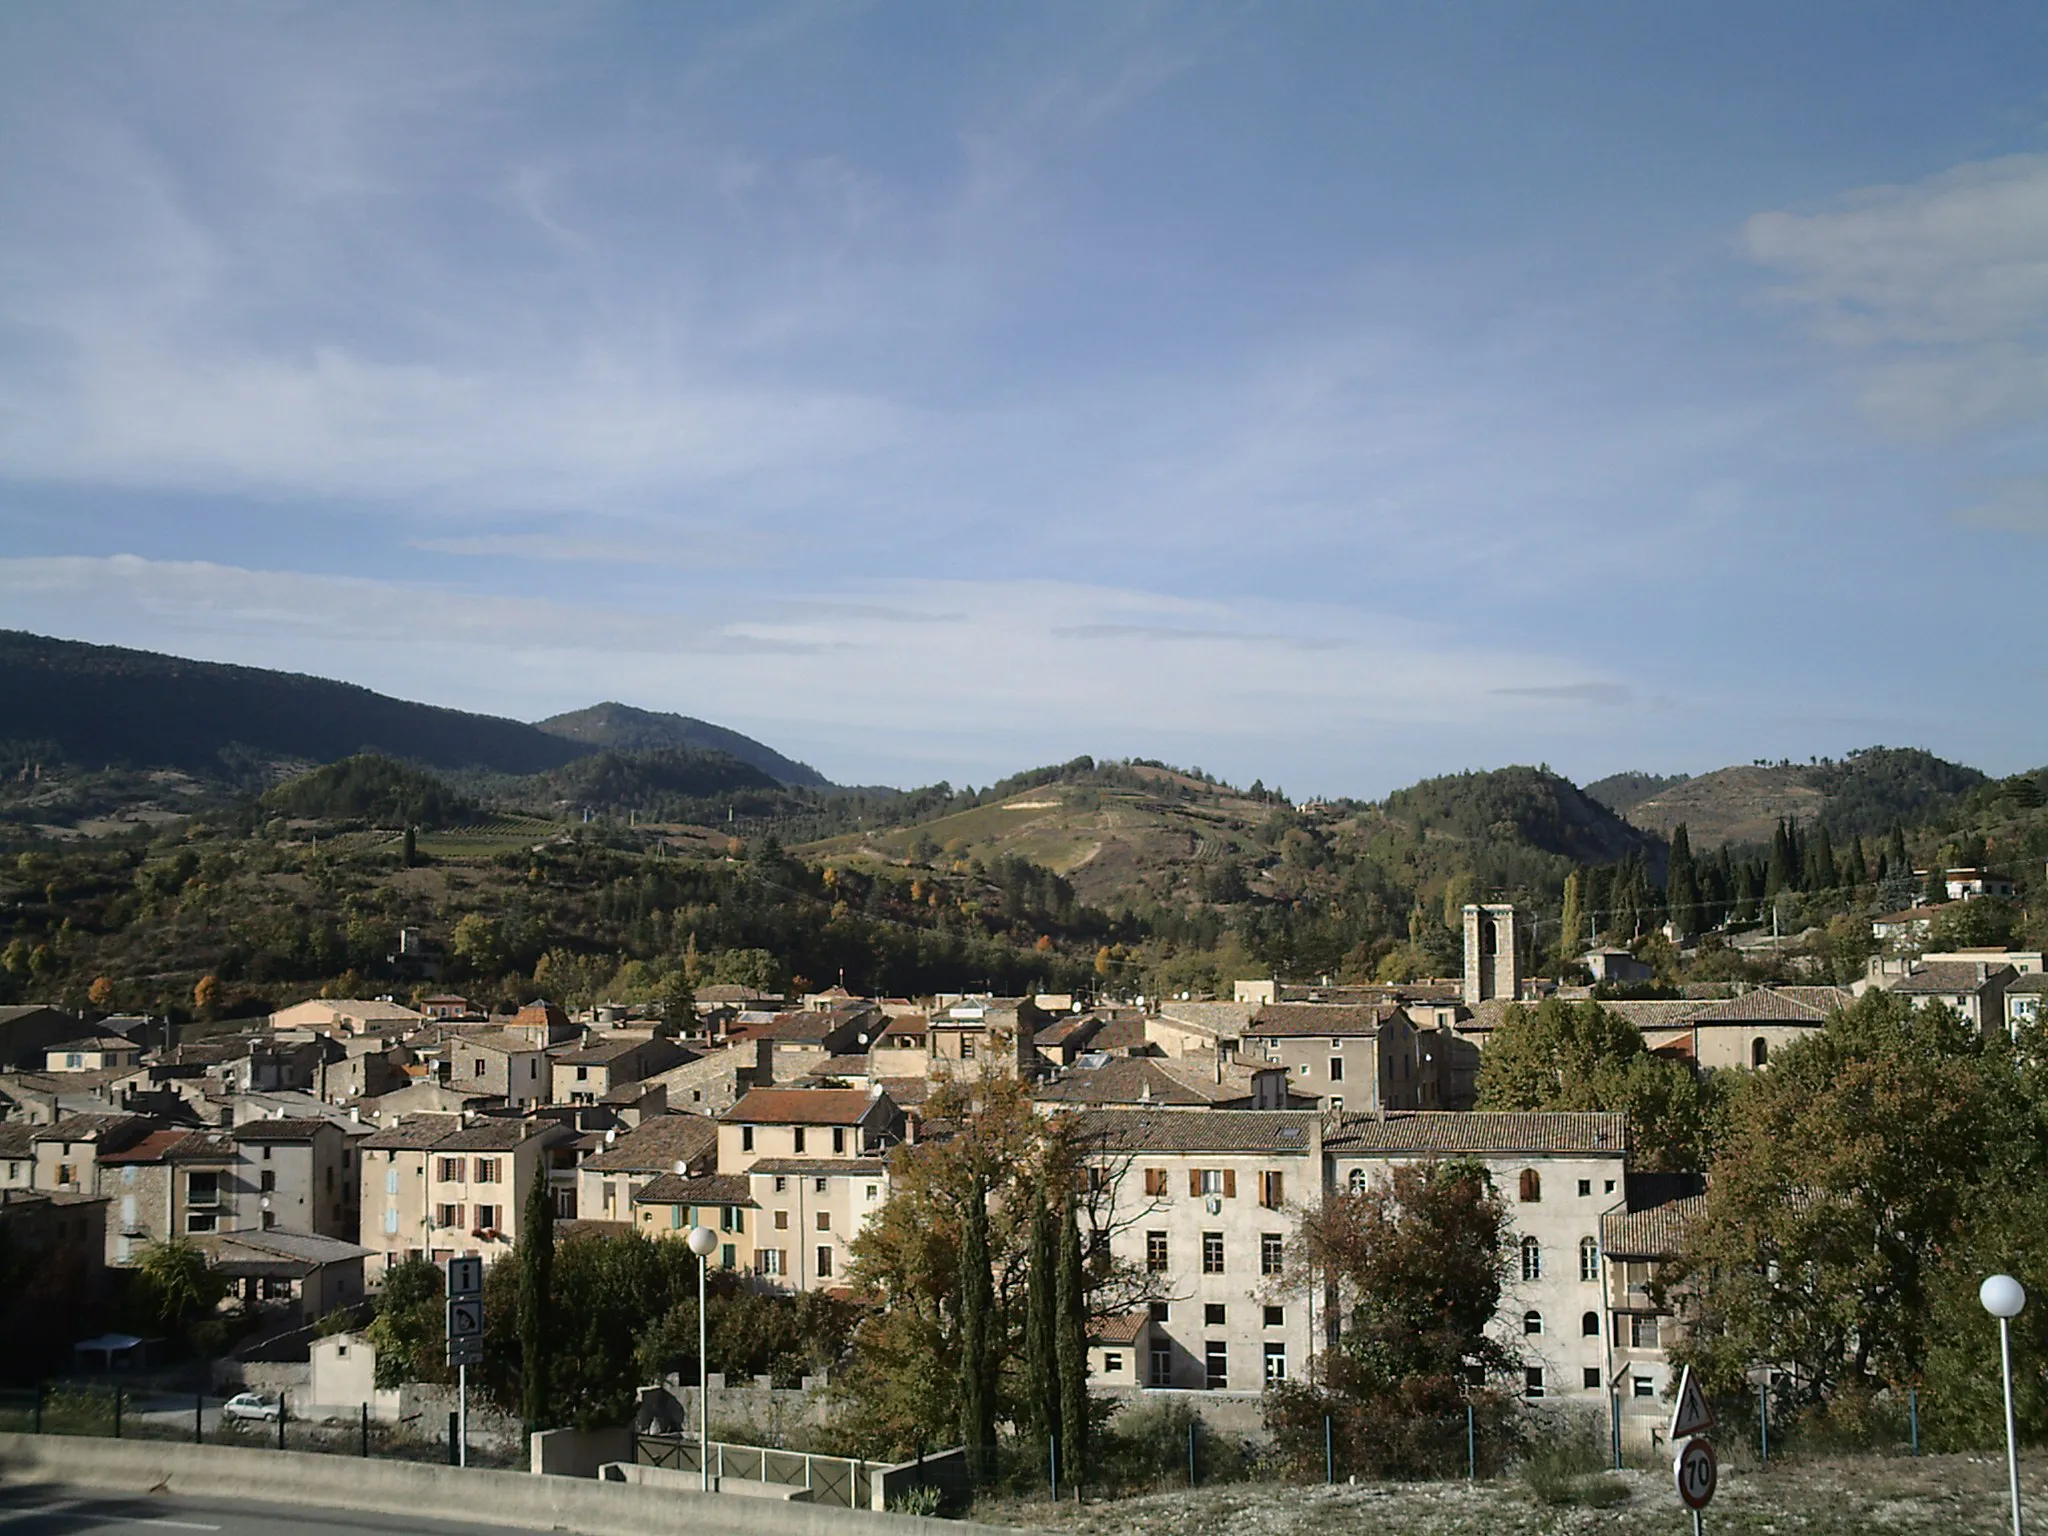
(1216, 1130)
(712, 1189)
(1220, 1019)
(414, 1132)
(801, 1106)
(1453, 1133)
(1947, 977)
(1125, 1328)
(296, 1129)
(846, 1167)
(1776, 1005)
(1140, 1079)
(1307, 1019)
(659, 1143)
(1656, 1232)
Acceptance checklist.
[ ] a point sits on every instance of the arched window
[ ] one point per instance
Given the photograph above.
(1589, 1259)
(1532, 1259)
(1532, 1322)
(1759, 1051)
(1532, 1185)
(1589, 1326)
(1358, 1181)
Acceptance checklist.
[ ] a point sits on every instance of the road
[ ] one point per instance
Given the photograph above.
(47, 1510)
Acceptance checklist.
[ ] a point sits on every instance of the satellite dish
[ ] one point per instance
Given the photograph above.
(611, 1135)
(682, 1169)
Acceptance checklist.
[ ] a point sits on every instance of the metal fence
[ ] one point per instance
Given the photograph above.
(139, 1412)
(840, 1481)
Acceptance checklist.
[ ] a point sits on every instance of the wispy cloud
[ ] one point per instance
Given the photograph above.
(1611, 695)
(2015, 504)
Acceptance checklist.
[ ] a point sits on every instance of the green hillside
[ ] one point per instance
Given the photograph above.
(1860, 795)
(370, 789)
(618, 727)
(1619, 791)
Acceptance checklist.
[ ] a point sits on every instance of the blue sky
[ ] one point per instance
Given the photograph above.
(1331, 394)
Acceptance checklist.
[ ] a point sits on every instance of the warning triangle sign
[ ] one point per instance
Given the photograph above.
(1691, 1416)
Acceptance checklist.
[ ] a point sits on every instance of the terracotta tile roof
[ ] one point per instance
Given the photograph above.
(2031, 981)
(659, 1144)
(906, 1090)
(1657, 1232)
(1173, 1130)
(281, 1130)
(153, 1148)
(1119, 1035)
(1453, 1133)
(488, 1135)
(1141, 1079)
(16, 1139)
(1125, 1328)
(1947, 977)
(108, 1130)
(801, 1106)
(905, 1024)
(502, 1041)
(414, 1132)
(807, 1166)
(1303, 1019)
(712, 1189)
(1776, 1005)
(1219, 1019)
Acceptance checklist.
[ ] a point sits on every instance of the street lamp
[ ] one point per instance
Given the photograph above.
(2003, 1297)
(702, 1240)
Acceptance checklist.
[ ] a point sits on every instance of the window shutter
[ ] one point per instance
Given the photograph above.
(1195, 1181)
(1230, 1183)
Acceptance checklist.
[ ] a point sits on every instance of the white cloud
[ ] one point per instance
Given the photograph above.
(1935, 291)
(2015, 504)
(1000, 669)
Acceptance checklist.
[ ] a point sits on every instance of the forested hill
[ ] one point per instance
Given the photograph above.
(618, 727)
(1863, 794)
(94, 705)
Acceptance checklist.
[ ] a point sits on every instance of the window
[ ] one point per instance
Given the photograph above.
(1643, 1331)
(1336, 1069)
(1336, 1103)
(449, 1169)
(1590, 1379)
(1272, 1253)
(728, 1255)
(874, 1191)
(1276, 1362)
(772, 1260)
(824, 1262)
(797, 1140)
(1276, 1317)
(1112, 1365)
(746, 1138)
(1155, 1182)
(966, 1049)
(731, 1219)
(1585, 1188)
(782, 1221)
(1589, 1326)
(1532, 1186)
(447, 1215)
(781, 1184)
(1642, 1386)
(201, 1221)
(1213, 1314)
(1532, 1259)
(487, 1217)
(824, 1221)
(200, 1188)
(1155, 1252)
(266, 1181)
(1161, 1311)
(1532, 1323)
(1759, 1051)
(1213, 1181)
(838, 1138)
(1532, 1381)
(1589, 1259)
(486, 1170)
(1216, 1364)
(1212, 1253)
(478, 1069)
(1162, 1367)
(1356, 1183)
(819, 1186)
(1610, 1186)
(1273, 1190)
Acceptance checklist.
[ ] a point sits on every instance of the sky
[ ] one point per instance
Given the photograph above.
(1330, 394)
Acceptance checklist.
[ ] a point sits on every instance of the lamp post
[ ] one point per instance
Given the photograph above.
(2003, 1297)
(702, 1240)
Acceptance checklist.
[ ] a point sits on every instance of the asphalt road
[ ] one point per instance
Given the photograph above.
(44, 1510)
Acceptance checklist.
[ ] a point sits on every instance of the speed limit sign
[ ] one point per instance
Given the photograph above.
(1697, 1472)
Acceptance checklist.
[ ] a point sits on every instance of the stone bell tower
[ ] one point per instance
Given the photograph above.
(1493, 953)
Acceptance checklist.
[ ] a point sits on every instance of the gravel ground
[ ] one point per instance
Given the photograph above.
(1950, 1495)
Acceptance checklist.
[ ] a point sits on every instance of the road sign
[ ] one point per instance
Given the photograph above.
(465, 1277)
(1692, 1415)
(1697, 1472)
(465, 1317)
(469, 1351)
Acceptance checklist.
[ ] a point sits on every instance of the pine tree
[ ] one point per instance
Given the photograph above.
(1936, 890)
(536, 1325)
(1681, 885)
(1073, 1350)
(977, 1308)
(1041, 1327)
(412, 848)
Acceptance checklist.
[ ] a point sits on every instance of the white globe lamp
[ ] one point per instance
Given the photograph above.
(2003, 1298)
(702, 1240)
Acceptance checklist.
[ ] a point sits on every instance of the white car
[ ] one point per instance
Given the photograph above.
(251, 1405)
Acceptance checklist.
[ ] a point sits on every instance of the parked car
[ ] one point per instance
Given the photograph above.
(251, 1405)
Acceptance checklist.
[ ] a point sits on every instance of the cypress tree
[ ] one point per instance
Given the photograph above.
(1783, 873)
(1857, 870)
(1937, 881)
(536, 1331)
(977, 1304)
(1682, 885)
(1573, 920)
(1073, 1349)
(1901, 861)
(412, 848)
(1041, 1326)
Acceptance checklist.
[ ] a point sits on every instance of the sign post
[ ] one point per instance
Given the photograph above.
(465, 1339)
(1694, 1466)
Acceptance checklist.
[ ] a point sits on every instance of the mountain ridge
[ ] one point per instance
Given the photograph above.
(615, 727)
